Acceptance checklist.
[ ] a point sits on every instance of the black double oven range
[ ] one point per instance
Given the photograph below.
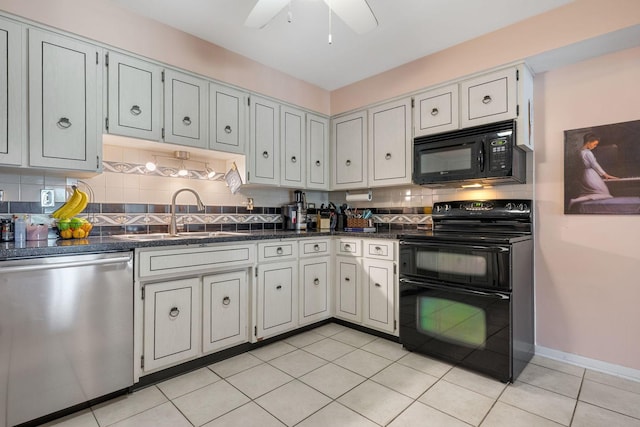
(466, 288)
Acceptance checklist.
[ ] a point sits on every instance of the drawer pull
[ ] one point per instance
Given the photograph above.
(278, 287)
(347, 279)
(293, 159)
(136, 110)
(486, 100)
(174, 312)
(316, 281)
(186, 120)
(226, 301)
(378, 249)
(64, 123)
(377, 285)
(347, 247)
(434, 112)
(387, 156)
(316, 248)
(279, 251)
(227, 129)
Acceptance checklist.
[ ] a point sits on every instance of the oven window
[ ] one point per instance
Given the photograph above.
(452, 263)
(452, 321)
(446, 161)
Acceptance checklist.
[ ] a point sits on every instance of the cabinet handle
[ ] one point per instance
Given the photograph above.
(486, 99)
(316, 281)
(387, 156)
(434, 112)
(347, 247)
(348, 163)
(136, 110)
(293, 159)
(378, 249)
(174, 312)
(278, 287)
(377, 285)
(279, 251)
(316, 248)
(265, 154)
(346, 279)
(318, 163)
(227, 129)
(186, 121)
(64, 123)
(226, 301)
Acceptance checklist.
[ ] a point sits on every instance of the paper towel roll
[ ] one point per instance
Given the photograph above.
(362, 197)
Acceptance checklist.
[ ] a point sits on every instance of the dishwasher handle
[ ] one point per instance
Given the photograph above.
(40, 267)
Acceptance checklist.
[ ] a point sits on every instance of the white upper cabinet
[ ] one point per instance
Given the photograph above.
(264, 140)
(317, 152)
(436, 111)
(11, 87)
(134, 97)
(390, 144)
(349, 151)
(292, 147)
(227, 119)
(65, 93)
(185, 109)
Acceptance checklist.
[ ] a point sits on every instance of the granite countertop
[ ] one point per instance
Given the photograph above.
(52, 247)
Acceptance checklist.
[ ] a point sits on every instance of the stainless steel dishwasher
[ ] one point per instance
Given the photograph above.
(66, 332)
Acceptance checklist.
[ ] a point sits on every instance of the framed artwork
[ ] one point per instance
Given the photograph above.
(602, 169)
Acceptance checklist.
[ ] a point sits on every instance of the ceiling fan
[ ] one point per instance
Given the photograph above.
(355, 13)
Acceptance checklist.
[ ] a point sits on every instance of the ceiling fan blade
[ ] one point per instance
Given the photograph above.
(263, 12)
(355, 13)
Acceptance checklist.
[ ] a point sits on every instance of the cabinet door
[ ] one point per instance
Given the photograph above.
(436, 111)
(264, 138)
(171, 318)
(390, 144)
(379, 295)
(348, 297)
(292, 147)
(185, 109)
(349, 151)
(11, 89)
(134, 91)
(227, 119)
(489, 98)
(224, 307)
(277, 298)
(314, 290)
(317, 152)
(64, 110)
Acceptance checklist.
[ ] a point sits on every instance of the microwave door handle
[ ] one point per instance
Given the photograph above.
(455, 290)
(481, 158)
(452, 246)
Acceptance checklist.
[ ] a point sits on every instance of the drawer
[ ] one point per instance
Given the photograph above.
(346, 246)
(277, 251)
(169, 262)
(379, 249)
(309, 248)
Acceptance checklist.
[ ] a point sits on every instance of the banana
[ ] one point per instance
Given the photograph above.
(84, 200)
(71, 204)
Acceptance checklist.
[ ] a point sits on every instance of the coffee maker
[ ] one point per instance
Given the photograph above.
(294, 214)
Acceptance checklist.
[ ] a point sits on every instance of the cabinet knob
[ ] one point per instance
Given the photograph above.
(316, 248)
(174, 312)
(387, 156)
(378, 249)
(347, 279)
(347, 247)
(318, 163)
(293, 159)
(348, 163)
(316, 281)
(226, 301)
(279, 251)
(377, 285)
(64, 123)
(279, 287)
(265, 154)
(487, 99)
(434, 112)
(136, 110)
(186, 120)
(227, 129)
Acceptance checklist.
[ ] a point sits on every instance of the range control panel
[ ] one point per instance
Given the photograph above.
(483, 209)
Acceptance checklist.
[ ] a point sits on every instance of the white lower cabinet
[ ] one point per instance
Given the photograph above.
(224, 310)
(277, 309)
(171, 319)
(348, 292)
(379, 290)
(314, 289)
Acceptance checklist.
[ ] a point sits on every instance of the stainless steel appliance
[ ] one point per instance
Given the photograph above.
(66, 332)
(294, 215)
(482, 154)
(466, 288)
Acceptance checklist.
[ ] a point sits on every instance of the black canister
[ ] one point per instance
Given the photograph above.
(7, 230)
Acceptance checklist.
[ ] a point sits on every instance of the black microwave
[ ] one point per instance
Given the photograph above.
(484, 154)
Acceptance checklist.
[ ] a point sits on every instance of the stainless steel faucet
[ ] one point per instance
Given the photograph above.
(173, 227)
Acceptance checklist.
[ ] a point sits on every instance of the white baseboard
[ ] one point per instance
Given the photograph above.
(585, 362)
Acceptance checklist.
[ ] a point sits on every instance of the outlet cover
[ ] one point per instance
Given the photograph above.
(47, 199)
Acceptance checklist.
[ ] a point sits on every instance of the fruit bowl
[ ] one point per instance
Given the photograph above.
(74, 228)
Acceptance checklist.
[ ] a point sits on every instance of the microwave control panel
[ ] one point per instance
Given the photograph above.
(499, 154)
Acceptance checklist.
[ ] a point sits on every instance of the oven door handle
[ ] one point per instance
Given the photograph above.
(455, 246)
(456, 290)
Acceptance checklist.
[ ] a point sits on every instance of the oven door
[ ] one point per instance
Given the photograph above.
(467, 327)
(461, 264)
(450, 160)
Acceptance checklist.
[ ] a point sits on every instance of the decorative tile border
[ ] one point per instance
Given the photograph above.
(115, 219)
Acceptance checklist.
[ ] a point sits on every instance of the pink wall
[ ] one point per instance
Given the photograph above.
(108, 23)
(574, 22)
(587, 266)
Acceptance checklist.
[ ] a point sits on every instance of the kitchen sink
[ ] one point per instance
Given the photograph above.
(185, 235)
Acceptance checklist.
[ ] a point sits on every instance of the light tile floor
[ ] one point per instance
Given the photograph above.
(335, 376)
